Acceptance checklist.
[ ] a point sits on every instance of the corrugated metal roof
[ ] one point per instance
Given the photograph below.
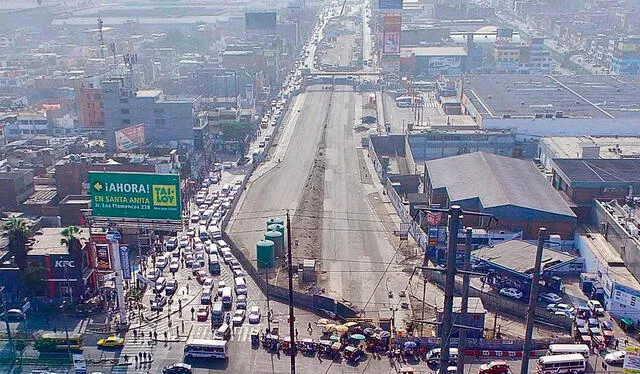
(497, 181)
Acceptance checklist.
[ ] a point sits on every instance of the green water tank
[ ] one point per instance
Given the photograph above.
(276, 227)
(274, 221)
(278, 242)
(264, 249)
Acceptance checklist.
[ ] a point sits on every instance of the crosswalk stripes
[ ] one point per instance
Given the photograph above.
(243, 333)
(131, 348)
(240, 333)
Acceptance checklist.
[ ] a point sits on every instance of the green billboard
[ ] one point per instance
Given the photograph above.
(135, 195)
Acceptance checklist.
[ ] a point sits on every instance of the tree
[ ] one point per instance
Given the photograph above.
(236, 131)
(70, 238)
(18, 232)
(33, 281)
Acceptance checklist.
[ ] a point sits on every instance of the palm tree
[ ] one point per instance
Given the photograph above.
(70, 238)
(17, 230)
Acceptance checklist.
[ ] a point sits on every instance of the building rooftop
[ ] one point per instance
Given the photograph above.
(581, 96)
(610, 146)
(14, 173)
(41, 196)
(47, 242)
(437, 51)
(148, 93)
(496, 181)
(606, 254)
(519, 256)
(600, 170)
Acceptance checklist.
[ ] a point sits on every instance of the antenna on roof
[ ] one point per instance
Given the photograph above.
(100, 23)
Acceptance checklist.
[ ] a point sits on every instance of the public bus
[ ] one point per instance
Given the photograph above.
(407, 101)
(206, 348)
(562, 364)
(75, 341)
(565, 349)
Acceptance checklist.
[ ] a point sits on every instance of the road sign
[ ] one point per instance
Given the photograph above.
(26, 306)
(113, 236)
(135, 195)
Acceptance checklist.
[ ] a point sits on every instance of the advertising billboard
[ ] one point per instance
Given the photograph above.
(102, 255)
(392, 27)
(631, 360)
(130, 138)
(125, 261)
(260, 21)
(135, 195)
(390, 4)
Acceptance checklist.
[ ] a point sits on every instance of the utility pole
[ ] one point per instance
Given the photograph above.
(464, 306)
(450, 281)
(291, 317)
(533, 299)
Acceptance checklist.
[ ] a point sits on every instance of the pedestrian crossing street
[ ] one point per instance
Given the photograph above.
(240, 333)
(431, 104)
(131, 348)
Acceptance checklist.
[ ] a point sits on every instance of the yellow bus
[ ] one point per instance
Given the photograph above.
(75, 341)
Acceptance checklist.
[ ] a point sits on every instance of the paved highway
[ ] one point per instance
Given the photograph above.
(272, 192)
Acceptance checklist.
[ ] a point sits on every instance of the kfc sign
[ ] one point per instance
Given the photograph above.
(64, 264)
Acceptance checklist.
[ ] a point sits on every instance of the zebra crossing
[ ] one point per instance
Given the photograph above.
(131, 349)
(240, 333)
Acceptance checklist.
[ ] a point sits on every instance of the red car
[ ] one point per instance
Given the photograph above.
(203, 313)
(201, 275)
(495, 367)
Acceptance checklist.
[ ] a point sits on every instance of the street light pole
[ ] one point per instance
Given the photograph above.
(6, 320)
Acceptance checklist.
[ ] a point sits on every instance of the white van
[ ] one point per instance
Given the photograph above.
(241, 286)
(433, 356)
(215, 232)
(223, 332)
(207, 214)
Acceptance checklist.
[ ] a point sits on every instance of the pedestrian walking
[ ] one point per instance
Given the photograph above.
(144, 354)
(296, 333)
(135, 334)
(140, 355)
(187, 288)
(309, 328)
(177, 331)
(155, 335)
(165, 335)
(136, 359)
(182, 325)
(142, 334)
(192, 311)
(626, 342)
(126, 358)
(617, 343)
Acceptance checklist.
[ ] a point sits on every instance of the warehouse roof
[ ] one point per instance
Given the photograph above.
(599, 170)
(519, 256)
(437, 51)
(582, 96)
(497, 181)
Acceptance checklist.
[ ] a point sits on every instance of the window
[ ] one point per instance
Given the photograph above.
(159, 110)
(126, 122)
(124, 100)
(159, 121)
(124, 111)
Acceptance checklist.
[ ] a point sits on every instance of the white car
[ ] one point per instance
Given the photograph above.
(208, 282)
(560, 308)
(238, 317)
(254, 315)
(512, 293)
(161, 262)
(184, 242)
(174, 265)
(615, 358)
(549, 297)
(191, 232)
(195, 217)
